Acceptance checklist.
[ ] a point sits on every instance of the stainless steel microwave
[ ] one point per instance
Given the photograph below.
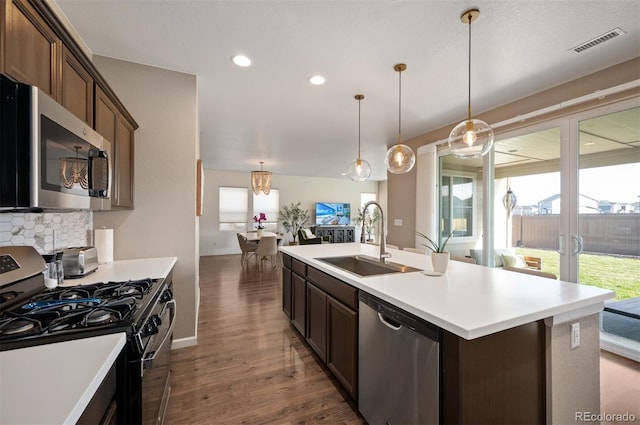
(49, 158)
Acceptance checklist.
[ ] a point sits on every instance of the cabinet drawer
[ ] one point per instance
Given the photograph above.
(299, 267)
(339, 290)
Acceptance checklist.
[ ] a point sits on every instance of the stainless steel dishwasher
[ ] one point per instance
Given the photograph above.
(398, 358)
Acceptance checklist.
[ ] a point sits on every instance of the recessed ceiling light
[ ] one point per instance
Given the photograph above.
(317, 80)
(241, 60)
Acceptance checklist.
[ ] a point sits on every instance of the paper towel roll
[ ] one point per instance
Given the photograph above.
(103, 241)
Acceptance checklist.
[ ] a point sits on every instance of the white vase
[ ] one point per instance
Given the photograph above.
(260, 232)
(439, 261)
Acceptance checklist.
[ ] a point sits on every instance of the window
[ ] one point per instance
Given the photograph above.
(270, 206)
(233, 208)
(366, 197)
(456, 206)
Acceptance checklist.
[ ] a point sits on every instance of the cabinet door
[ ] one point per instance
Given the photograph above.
(298, 303)
(286, 291)
(317, 320)
(77, 87)
(123, 170)
(342, 344)
(31, 50)
(116, 129)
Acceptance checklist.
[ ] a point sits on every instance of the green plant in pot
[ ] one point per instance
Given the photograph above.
(293, 218)
(439, 255)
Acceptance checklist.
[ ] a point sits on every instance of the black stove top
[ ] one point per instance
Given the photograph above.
(76, 312)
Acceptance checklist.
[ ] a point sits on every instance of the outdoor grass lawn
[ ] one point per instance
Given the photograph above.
(620, 274)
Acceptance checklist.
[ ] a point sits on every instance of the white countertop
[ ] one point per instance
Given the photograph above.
(154, 268)
(470, 301)
(53, 383)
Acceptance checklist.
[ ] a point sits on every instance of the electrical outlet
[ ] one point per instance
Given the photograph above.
(397, 222)
(575, 335)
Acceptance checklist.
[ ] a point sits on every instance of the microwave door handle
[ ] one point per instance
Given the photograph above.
(149, 355)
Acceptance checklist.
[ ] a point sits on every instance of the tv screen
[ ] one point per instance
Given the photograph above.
(333, 214)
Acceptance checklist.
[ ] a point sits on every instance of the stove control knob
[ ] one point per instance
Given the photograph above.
(151, 328)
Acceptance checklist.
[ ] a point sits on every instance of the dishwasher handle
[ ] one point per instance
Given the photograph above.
(391, 324)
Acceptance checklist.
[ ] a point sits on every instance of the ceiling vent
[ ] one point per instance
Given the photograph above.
(598, 40)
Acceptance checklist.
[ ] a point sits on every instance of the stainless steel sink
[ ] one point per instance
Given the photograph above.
(363, 265)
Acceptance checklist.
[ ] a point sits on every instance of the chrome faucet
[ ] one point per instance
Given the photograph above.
(383, 240)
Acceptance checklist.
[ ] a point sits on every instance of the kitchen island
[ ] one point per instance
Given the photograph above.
(515, 327)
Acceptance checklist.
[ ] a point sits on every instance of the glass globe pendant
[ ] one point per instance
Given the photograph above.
(400, 158)
(359, 170)
(471, 138)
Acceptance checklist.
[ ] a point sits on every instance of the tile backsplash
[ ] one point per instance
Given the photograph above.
(48, 231)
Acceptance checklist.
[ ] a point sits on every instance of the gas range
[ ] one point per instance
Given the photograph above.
(144, 309)
(64, 313)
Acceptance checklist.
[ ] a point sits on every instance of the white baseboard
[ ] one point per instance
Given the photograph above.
(621, 346)
(184, 342)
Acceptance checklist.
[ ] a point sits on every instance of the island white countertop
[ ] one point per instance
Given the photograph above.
(54, 383)
(143, 268)
(470, 300)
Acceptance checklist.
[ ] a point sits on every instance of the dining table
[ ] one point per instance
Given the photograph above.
(253, 236)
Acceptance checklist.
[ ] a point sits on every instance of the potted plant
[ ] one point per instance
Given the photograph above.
(259, 219)
(293, 218)
(368, 221)
(439, 257)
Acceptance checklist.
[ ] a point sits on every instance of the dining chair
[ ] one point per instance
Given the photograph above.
(246, 249)
(268, 250)
(415, 250)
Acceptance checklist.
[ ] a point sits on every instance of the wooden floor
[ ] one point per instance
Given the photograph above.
(250, 366)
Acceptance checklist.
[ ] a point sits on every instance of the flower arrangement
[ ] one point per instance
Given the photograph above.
(259, 219)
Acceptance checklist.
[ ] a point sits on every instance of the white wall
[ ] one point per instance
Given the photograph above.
(163, 223)
(307, 190)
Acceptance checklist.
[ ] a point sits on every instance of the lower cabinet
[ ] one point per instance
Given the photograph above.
(342, 344)
(324, 310)
(299, 303)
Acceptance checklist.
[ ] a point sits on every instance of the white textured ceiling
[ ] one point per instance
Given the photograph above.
(269, 112)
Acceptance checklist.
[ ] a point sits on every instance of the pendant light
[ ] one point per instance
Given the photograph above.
(400, 158)
(261, 181)
(359, 170)
(471, 138)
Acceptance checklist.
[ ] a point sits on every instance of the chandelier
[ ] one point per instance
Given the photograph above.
(261, 181)
(471, 138)
(74, 171)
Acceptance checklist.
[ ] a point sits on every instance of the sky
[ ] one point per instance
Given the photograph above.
(617, 183)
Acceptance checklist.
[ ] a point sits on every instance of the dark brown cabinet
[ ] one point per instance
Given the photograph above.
(31, 50)
(114, 127)
(298, 303)
(36, 49)
(286, 285)
(77, 87)
(324, 310)
(342, 344)
(317, 320)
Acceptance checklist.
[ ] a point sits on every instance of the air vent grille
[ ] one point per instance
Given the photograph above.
(598, 40)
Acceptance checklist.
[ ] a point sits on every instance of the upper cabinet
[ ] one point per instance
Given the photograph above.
(77, 87)
(31, 50)
(36, 49)
(115, 127)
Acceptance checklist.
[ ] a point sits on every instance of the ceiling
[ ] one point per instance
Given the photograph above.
(269, 112)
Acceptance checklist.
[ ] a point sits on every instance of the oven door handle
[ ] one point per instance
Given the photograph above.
(149, 355)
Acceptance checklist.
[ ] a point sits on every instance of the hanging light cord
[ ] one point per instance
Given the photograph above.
(359, 100)
(469, 94)
(399, 105)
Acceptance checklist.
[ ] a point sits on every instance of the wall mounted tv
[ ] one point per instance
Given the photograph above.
(333, 214)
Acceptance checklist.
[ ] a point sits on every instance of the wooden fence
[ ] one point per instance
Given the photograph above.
(602, 233)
